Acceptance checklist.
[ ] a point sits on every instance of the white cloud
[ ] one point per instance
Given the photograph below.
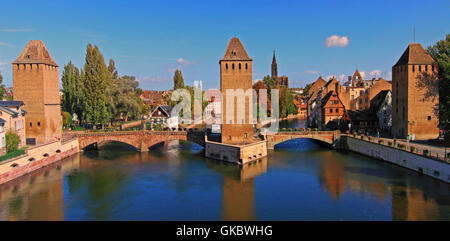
(154, 79)
(336, 41)
(311, 72)
(182, 61)
(6, 44)
(376, 73)
(16, 30)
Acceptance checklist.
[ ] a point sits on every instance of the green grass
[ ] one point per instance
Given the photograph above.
(13, 154)
(78, 128)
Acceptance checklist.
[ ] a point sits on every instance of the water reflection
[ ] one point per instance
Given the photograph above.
(298, 181)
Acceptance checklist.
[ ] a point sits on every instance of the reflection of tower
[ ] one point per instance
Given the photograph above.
(332, 175)
(412, 204)
(239, 188)
(44, 189)
(238, 200)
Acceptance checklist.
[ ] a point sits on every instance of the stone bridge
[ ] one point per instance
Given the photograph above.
(141, 140)
(328, 137)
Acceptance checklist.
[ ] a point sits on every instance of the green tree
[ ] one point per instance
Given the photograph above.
(306, 89)
(70, 83)
(67, 119)
(12, 141)
(441, 54)
(2, 87)
(178, 81)
(96, 78)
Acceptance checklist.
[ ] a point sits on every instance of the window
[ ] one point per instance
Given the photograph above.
(232, 66)
(246, 66)
(426, 67)
(229, 138)
(414, 69)
(226, 66)
(39, 123)
(429, 118)
(337, 111)
(432, 67)
(420, 68)
(239, 66)
(245, 135)
(331, 110)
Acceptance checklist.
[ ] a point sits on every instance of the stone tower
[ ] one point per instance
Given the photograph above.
(237, 104)
(36, 83)
(274, 67)
(412, 113)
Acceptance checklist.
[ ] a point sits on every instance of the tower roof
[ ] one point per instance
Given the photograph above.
(236, 51)
(35, 53)
(274, 60)
(415, 54)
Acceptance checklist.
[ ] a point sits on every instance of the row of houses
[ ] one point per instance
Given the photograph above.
(12, 119)
(358, 104)
(400, 108)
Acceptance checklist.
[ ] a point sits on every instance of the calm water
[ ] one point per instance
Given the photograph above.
(298, 181)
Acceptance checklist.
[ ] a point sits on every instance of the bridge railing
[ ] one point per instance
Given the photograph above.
(100, 133)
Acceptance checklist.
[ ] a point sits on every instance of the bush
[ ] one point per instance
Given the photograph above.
(67, 119)
(12, 142)
(425, 152)
(370, 138)
(413, 149)
(390, 143)
(380, 141)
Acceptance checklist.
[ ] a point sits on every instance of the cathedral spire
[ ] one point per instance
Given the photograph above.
(274, 66)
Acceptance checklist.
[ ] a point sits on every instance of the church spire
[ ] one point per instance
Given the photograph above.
(274, 67)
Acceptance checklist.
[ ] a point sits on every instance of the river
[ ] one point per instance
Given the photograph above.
(299, 180)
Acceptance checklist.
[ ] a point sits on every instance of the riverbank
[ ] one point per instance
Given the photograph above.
(382, 150)
(37, 157)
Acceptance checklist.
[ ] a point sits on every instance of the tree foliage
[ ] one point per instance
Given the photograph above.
(71, 85)
(67, 119)
(98, 94)
(2, 87)
(95, 80)
(441, 54)
(178, 81)
(12, 141)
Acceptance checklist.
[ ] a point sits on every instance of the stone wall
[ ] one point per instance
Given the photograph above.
(234, 153)
(430, 167)
(36, 158)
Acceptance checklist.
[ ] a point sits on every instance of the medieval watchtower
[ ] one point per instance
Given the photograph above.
(237, 101)
(36, 83)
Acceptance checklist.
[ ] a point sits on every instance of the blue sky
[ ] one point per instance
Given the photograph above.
(150, 39)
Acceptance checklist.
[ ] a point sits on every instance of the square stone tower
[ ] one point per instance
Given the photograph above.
(237, 100)
(412, 113)
(36, 83)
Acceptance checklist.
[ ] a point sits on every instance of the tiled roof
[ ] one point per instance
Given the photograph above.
(236, 51)
(9, 111)
(35, 53)
(15, 104)
(378, 100)
(415, 54)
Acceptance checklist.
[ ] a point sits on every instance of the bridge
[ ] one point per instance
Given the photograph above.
(141, 140)
(328, 137)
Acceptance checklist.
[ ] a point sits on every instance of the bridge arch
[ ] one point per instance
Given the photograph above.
(325, 137)
(95, 144)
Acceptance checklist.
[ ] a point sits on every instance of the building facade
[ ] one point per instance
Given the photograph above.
(237, 100)
(36, 83)
(12, 115)
(413, 113)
